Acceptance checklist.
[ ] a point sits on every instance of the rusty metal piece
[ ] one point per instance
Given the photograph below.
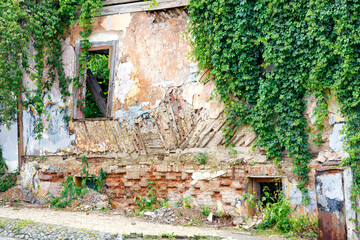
(330, 203)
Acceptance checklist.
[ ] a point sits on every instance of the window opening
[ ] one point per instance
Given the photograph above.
(90, 182)
(265, 190)
(97, 84)
(273, 188)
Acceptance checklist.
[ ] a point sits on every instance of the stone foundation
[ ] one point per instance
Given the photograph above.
(206, 185)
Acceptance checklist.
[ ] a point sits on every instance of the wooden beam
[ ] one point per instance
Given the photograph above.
(114, 2)
(96, 91)
(120, 7)
(20, 130)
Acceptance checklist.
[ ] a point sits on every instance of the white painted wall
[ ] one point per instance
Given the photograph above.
(9, 146)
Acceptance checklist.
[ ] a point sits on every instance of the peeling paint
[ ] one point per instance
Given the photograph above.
(9, 146)
(336, 139)
(117, 22)
(56, 138)
(132, 113)
(330, 201)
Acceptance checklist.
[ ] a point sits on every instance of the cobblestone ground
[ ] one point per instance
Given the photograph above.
(25, 229)
(34, 223)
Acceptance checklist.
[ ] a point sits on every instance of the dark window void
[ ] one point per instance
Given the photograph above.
(90, 182)
(268, 191)
(97, 84)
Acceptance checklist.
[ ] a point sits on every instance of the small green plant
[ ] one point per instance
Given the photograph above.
(235, 163)
(277, 215)
(201, 158)
(72, 191)
(4, 201)
(7, 179)
(3, 166)
(150, 202)
(186, 202)
(152, 3)
(168, 235)
(205, 211)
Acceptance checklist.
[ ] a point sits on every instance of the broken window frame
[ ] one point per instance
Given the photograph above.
(80, 93)
(253, 185)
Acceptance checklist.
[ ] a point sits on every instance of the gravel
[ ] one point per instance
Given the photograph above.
(25, 229)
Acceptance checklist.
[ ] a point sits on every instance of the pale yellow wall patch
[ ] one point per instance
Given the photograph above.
(119, 22)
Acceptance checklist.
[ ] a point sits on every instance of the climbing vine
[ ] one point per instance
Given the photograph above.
(31, 34)
(265, 57)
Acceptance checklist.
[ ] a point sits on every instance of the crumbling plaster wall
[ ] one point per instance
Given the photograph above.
(9, 146)
(161, 118)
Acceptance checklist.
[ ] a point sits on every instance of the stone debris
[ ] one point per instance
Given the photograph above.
(210, 217)
(19, 193)
(151, 214)
(250, 223)
(186, 216)
(238, 220)
(92, 201)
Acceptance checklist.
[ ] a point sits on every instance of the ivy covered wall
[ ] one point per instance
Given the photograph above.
(266, 57)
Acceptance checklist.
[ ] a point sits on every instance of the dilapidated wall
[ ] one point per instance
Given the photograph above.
(9, 145)
(162, 117)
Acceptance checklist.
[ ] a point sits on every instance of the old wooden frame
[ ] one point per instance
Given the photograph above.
(112, 46)
(252, 188)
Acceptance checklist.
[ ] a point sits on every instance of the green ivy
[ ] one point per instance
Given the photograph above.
(265, 57)
(31, 34)
(7, 179)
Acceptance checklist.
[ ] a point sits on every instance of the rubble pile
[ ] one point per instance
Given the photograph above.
(20, 194)
(247, 223)
(174, 215)
(92, 201)
(186, 216)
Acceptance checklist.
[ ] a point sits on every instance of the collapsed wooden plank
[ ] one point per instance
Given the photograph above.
(115, 2)
(119, 6)
(96, 92)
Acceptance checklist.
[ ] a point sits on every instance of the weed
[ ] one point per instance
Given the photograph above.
(104, 209)
(72, 191)
(7, 179)
(201, 158)
(277, 215)
(168, 235)
(4, 201)
(186, 202)
(150, 202)
(234, 163)
(194, 222)
(3, 166)
(205, 210)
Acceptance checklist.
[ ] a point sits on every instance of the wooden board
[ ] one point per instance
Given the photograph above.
(127, 6)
